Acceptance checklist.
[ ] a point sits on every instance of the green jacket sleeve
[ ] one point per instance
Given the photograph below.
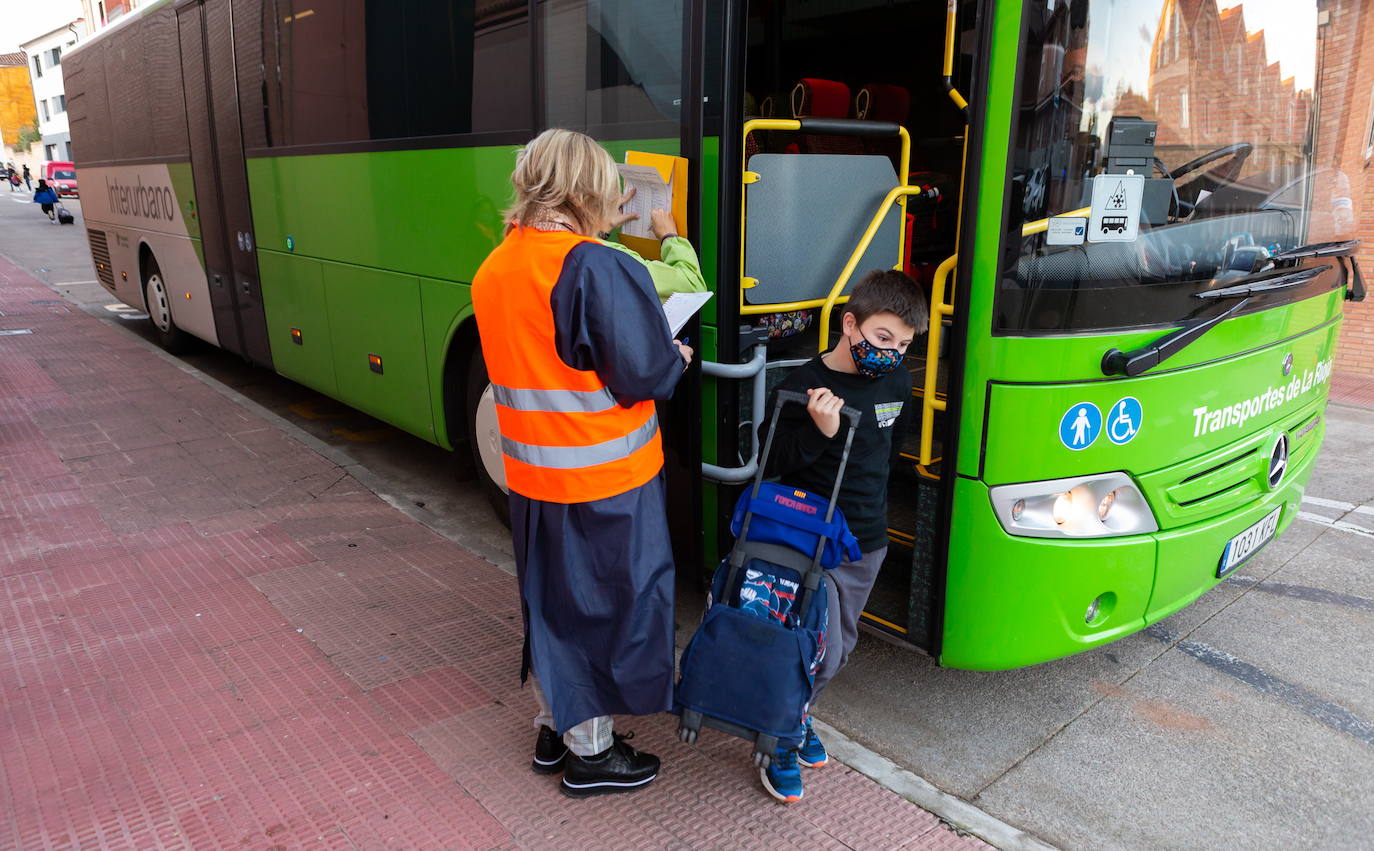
(678, 272)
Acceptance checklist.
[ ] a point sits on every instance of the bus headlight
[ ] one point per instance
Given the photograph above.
(1097, 506)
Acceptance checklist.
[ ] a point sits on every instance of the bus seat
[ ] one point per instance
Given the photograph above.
(883, 102)
(816, 98)
(806, 214)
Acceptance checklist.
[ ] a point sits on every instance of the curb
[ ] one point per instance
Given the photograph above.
(956, 811)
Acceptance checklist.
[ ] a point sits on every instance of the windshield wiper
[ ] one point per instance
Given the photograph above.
(1131, 364)
(1267, 282)
(1337, 248)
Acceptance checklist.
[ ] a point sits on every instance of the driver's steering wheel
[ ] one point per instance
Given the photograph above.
(1239, 150)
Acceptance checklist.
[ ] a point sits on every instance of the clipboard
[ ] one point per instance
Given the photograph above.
(673, 170)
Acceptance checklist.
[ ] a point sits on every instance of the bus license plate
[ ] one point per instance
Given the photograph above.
(1247, 543)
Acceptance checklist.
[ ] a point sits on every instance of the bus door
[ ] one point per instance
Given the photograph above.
(848, 158)
(226, 225)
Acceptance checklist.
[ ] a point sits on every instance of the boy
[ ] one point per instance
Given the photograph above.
(885, 313)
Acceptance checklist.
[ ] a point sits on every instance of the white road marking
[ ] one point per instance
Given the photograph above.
(71, 283)
(1338, 504)
(1335, 524)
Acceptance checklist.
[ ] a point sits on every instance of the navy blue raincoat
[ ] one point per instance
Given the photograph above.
(596, 578)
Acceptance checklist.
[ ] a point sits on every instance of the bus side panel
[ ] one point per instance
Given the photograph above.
(375, 313)
(1008, 605)
(295, 301)
(152, 205)
(445, 306)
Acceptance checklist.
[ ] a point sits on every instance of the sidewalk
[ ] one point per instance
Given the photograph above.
(215, 638)
(1352, 390)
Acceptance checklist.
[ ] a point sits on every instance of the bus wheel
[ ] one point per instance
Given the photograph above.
(485, 436)
(168, 335)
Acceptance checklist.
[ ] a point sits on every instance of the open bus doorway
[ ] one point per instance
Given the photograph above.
(811, 195)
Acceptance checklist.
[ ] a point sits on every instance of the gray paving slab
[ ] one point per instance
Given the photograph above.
(1346, 464)
(1327, 648)
(1336, 561)
(1184, 756)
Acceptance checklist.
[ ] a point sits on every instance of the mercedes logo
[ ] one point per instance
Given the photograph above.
(1278, 461)
(1288, 364)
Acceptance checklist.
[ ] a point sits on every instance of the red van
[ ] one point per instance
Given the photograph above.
(61, 176)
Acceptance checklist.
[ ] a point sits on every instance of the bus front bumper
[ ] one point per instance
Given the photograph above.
(1016, 601)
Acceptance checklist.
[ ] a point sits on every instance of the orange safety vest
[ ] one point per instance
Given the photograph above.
(563, 435)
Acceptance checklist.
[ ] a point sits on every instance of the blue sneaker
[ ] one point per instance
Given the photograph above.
(782, 777)
(812, 751)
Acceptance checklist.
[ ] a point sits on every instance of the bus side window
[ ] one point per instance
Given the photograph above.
(383, 69)
(611, 62)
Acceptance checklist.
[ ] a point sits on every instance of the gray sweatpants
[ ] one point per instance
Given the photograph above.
(849, 586)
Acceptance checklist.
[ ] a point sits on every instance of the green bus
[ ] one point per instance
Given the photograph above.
(1129, 217)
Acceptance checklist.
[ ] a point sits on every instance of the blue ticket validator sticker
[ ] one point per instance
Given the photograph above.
(1080, 426)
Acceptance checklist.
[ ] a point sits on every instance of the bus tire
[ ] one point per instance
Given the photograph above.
(485, 437)
(159, 308)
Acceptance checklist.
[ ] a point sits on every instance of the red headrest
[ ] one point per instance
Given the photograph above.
(884, 103)
(820, 99)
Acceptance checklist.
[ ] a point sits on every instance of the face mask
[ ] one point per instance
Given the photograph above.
(872, 361)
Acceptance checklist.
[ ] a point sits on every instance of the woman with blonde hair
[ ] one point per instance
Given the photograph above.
(577, 349)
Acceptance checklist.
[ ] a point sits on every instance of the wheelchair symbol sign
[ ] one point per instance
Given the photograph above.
(1124, 420)
(1080, 426)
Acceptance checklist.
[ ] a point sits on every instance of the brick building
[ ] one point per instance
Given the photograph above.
(1212, 84)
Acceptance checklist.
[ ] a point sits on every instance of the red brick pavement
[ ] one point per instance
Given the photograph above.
(1352, 390)
(215, 638)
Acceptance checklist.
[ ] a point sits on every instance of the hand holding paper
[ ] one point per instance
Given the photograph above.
(645, 191)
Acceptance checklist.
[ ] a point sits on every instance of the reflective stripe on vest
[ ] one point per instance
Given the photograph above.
(554, 401)
(573, 457)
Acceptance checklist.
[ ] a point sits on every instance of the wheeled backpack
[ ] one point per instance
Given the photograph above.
(749, 668)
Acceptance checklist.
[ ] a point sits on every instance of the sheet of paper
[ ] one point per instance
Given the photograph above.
(681, 307)
(650, 193)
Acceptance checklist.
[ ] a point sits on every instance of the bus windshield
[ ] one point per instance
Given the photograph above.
(1178, 145)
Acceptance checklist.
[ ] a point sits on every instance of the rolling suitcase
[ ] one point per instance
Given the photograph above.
(64, 216)
(749, 668)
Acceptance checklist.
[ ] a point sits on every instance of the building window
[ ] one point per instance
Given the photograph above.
(1183, 111)
(50, 152)
(56, 56)
(38, 65)
(43, 107)
(59, 104)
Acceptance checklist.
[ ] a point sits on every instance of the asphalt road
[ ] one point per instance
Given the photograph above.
(1245, 720)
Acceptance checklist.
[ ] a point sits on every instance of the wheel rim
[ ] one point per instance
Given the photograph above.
(488, 436)
(158, 310)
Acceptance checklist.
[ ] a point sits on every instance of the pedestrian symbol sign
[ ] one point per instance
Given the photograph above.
(1116, 207)
(1124, 420)
(1080, 426)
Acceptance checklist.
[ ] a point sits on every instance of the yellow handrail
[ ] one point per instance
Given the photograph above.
(939, 309)
(833, 298)
(898, 192)
(951, 18)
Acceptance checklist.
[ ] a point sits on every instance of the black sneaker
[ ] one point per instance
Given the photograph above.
(620, 769)
(549, 751)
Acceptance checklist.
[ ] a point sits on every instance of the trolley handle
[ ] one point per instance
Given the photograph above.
(785, 396)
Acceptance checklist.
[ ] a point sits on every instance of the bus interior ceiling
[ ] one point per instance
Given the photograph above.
(874, 60)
